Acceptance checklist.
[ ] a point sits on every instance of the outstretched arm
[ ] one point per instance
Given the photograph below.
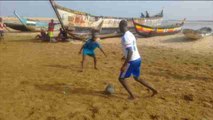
(102, 51)
(57, 23)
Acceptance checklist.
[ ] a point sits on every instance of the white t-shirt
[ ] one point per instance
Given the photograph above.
(129, 41)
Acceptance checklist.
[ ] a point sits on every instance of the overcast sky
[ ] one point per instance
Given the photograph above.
(192, 10)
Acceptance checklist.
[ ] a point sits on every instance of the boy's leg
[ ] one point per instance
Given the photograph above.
(95, 62)
(51, 36)
(136, 76)
(125, 85)
(122, 78)
(1, 36)
(143, 82)
(82, 62)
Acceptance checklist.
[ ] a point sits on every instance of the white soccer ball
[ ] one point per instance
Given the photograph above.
(109, 89)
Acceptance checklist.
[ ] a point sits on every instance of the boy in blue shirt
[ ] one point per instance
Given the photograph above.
(88, 49)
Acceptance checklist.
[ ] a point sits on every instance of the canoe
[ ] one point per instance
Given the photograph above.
(16, 26)
(83, 22)
(28, 25)
(149, 31)
(197, 34)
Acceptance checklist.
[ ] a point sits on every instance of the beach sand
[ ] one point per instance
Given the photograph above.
(42, 81)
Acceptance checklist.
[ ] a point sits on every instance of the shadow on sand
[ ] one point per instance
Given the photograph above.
(60, 66)
(177, 40)
(27, 41)
(74, 67)
(71, 90)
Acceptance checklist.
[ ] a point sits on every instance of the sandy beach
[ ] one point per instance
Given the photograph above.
(42, 81)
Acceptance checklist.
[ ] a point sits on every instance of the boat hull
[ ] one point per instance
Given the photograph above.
(83, 22)
(149, 31)
(75, 18)
(17, 26)
(197, 34)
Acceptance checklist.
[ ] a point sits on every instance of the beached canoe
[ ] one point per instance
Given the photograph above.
(28, 25)
(83, 22)
(149, 31)
(197, 34)
(16, 26)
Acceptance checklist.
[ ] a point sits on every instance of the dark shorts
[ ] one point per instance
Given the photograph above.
(133, 68)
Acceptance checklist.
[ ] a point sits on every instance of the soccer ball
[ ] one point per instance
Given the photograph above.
(109, 89)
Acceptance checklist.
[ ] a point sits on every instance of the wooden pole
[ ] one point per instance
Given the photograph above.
(62, 25)
(57, 14)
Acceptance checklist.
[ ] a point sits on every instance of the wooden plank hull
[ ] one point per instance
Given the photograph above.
(73, 18)
(104, 33)
(85, 36)
(83, 22)
(149, 31)
(28, 28)
(28, 25)
(197, 34)
(17, 26)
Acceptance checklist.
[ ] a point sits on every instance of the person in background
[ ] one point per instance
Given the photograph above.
(2, 26)
(51, 27)
(62, 36)
(43, 35)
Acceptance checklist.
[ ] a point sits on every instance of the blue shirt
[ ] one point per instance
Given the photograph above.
(90, 46)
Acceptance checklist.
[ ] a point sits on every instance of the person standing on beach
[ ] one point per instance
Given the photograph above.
(2, 26)
(51, 27)
(132, 63)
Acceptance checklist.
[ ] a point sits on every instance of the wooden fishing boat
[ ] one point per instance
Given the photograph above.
(83, 22)
(28, 25)
(149, 31)
(16, 26)
(197, 34)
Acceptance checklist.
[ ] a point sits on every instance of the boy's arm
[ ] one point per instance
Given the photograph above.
(102, 51)
(129, 54)
(128, 46)
(57, 23)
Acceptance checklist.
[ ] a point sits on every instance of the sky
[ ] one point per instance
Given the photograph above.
(175, 10)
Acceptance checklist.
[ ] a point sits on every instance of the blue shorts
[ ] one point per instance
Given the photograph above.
(88, 52)
(133, 68)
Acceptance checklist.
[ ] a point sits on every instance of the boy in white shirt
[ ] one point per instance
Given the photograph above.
(133, 60)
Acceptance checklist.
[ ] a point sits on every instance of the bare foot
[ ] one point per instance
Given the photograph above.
(96, 68)
(154, 92)
(131, 98)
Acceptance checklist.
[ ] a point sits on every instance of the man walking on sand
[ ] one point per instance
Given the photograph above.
(132, 63)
